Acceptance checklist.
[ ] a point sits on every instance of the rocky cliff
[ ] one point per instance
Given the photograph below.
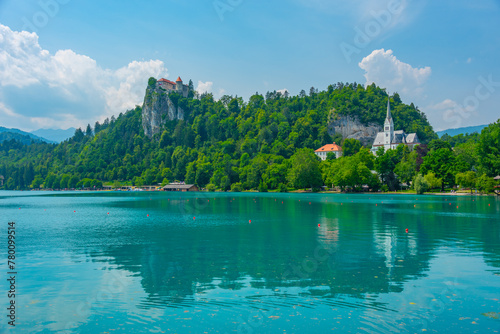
(157, 108)
(351, 127)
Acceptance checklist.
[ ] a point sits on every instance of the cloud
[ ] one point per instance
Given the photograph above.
(204, 87)
(449, 114)
(63, 89)
(385, 70)
(282, 91)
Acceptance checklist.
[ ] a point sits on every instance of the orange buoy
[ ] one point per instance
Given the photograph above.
(406, 230)
(147, 215)
(250, 221)
(319, 225)
(194, 218)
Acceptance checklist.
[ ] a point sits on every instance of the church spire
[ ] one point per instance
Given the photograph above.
(389, 115)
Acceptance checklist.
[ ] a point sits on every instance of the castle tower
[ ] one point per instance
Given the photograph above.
(388, 127)
(178, 84)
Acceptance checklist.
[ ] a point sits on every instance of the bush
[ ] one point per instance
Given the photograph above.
(236, 187)
(485, 184)
(420, 184)
(282, 188)
(262, 187)
(211, 187)
(432, 181)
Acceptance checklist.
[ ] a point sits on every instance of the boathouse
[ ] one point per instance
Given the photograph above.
(180, 187)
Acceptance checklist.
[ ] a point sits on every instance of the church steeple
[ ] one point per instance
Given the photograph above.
(388, 126)
(389, 115)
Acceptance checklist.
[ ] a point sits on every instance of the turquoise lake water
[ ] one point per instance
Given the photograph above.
(141, 262)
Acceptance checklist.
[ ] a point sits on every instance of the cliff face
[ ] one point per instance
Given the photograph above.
(351, 127)
(158, 108)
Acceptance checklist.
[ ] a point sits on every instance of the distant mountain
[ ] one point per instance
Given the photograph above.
(55, 135)
(24, 137)
(464, 130)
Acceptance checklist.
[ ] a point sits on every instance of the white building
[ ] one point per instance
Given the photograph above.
(322, 151)
(390, 139)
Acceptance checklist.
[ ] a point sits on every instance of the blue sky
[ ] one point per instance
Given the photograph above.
(89, 60)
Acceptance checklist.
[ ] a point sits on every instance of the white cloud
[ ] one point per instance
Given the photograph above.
(204, 87)
(64, 89)
(282, 91)
(385, 70)
(449, 114)
(222, 91)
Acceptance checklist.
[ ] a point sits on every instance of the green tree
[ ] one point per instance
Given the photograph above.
(305, 171)
(485, 184)
(37, 182)
(432, 181)
(331, 156)
(489, 149)
(350, 147)
(385, 165)
(442, 163)
(407, 168)
(466, 180)
(236, 187)
(64, 183)
(73, 181)
(420, 184)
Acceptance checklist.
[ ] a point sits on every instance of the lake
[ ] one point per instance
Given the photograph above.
(156, 262)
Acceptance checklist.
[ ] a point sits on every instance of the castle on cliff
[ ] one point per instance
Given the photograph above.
(390, 139)
(176, 86)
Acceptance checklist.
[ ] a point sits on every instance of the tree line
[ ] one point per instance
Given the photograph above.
(265, 143)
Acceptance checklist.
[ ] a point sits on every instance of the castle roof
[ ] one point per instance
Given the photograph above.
(178, 79)
(329, 148)
(165, 80)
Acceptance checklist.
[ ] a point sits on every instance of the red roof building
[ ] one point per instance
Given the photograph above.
(167, 81)
(322, 151)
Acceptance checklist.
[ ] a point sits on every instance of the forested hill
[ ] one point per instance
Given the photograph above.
(219, 142)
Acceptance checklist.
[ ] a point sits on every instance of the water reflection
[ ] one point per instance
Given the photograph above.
(255, 256)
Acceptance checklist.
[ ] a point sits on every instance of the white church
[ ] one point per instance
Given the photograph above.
(390, 139)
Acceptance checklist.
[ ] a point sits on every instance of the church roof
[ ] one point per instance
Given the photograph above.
(412, 138)
(329, 148)
(399, 137)
(379, 140)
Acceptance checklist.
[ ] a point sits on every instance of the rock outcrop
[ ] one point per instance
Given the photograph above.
(158, 108)
(351, 127)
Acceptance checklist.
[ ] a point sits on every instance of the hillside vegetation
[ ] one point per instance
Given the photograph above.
(224, 144)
